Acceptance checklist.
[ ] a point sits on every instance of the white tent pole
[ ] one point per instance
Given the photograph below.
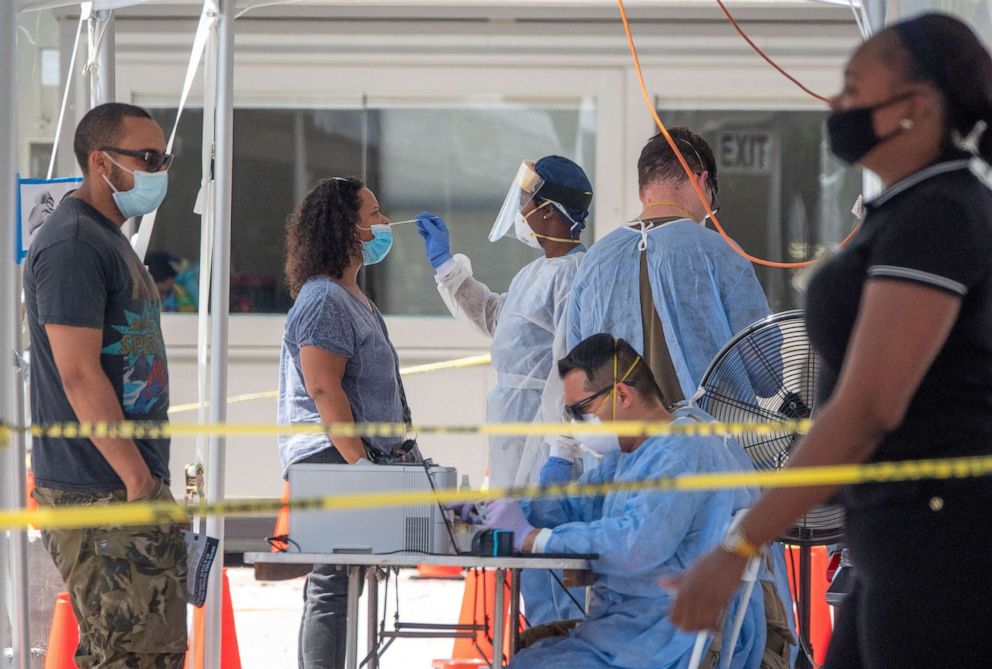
(13, 582)
(102, 62)
(871, 185)
(8, 304)
(206, 200)
(219, 304)
(875, 9)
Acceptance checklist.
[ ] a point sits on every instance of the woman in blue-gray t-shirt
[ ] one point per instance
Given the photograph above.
(337, 366)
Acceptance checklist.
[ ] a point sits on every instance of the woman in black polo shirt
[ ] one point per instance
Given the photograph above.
(902, 322)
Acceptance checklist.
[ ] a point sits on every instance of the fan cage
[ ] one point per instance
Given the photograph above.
(767, 373)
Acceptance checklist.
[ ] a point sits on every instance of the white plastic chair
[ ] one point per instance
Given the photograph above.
(749, 578)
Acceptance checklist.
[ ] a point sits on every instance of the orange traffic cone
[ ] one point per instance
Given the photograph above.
(438, 571)
(459, 664)
(265, 571)
(230, 655)
(820, 621)
(478, 606)
(63, 637)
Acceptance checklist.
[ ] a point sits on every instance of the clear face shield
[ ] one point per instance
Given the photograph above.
(523, 189)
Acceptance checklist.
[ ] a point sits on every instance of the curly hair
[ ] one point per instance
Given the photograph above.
(320, 233)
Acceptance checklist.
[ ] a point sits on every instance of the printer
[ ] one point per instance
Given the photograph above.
(408, 527)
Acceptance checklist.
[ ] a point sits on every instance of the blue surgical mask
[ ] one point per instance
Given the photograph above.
(145, 197)
(377, 248)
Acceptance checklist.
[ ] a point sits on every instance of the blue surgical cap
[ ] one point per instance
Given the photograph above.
(566, 184)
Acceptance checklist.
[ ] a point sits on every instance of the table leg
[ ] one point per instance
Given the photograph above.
(351, 643)
(514, 612)
(373, 605)
(499, 619)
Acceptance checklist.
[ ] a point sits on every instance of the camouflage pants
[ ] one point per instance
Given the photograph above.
(127, 585)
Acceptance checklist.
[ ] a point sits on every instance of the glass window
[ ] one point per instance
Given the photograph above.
(454, 159)
(782, 194)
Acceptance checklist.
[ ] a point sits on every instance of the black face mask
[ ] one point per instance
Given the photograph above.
(852, 132)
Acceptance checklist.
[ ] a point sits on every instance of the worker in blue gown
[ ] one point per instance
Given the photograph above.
(640, 536)
(671, 287)
(676, 290)
(546, 208)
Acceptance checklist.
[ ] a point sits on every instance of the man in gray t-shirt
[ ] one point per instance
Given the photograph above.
(98, 355)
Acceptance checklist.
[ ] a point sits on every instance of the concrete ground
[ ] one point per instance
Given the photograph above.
(267, 617)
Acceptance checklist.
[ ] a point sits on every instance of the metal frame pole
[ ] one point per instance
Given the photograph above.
(373, 617)
(499, 618)
(875, 10)
(219, 305)
(103, 81)
(871, 185)
(351, 639)
(805, 605)
(12, 459)
(514, 630)
(8, 305)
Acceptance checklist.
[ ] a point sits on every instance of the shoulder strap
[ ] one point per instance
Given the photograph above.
(656, 353)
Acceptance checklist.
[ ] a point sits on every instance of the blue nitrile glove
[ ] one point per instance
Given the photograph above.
(435, 234)
(556, 471)
(506, 514)
(464, 511)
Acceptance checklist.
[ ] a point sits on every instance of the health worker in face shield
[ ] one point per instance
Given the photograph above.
(639, 535)
(672, 288)
(546, 208)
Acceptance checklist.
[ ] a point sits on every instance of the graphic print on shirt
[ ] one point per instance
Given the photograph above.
(146, 380)
(141, 348)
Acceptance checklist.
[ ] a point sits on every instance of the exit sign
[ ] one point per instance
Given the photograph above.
(751, 152)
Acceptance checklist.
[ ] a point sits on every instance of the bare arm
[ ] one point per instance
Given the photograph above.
(322, 374)
(879, 378)
(76, 351)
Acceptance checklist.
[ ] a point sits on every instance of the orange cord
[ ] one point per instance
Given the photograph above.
(757, 49)
(688, 170)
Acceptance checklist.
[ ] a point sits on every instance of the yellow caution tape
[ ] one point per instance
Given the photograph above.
(156, 513)
(164, 429)
(457, 363)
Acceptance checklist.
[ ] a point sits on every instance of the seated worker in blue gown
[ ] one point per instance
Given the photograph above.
(640, 536)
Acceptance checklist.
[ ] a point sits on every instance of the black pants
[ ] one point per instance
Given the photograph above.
(325, 603)
(923, 585)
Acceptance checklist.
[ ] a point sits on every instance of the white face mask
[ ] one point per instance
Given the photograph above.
(600, 443)
(524, 233)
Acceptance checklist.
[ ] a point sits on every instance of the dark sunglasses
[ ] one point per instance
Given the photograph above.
(575, 411)
(155, 161)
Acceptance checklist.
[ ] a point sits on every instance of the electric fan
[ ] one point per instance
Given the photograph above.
(766, 373)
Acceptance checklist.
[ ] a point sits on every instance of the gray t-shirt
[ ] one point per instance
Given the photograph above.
(327, 316)
(81, 271)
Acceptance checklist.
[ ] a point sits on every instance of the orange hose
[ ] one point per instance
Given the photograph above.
(757, 49)
(685, 166)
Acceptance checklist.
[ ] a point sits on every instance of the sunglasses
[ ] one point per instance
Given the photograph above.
(155, 161)
(576, 412)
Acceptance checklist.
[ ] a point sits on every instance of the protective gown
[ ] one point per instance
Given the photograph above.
(641, 537)
(703, 293)
(527, 328)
